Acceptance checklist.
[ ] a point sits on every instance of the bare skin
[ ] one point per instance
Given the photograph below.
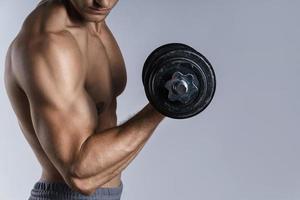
(63, 74)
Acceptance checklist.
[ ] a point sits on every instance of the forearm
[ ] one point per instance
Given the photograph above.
(105, 153)
(92, 183)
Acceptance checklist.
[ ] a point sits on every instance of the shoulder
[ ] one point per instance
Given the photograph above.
(61, 45)
(48, 16)
(40, 58)
(53, 48)
(44, 34)
(47, 58)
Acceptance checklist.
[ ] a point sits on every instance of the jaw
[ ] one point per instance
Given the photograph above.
(81, 16)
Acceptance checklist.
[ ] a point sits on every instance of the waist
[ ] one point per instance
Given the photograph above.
(50, 176)
(59, 190)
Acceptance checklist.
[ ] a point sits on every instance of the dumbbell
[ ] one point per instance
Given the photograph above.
(179, 82)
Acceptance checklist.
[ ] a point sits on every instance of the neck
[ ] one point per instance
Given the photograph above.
(96, 26)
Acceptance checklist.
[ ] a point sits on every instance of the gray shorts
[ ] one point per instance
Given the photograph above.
(61, 191)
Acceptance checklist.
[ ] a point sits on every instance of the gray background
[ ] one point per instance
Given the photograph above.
(245, 146)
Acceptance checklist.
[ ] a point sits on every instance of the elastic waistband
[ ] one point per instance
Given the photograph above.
(60, 190)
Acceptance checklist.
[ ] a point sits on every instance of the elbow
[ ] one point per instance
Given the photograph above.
(79, 183)
(82, 186)
(88, 186)
(77, 171)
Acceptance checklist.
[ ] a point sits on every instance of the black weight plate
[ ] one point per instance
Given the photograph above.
(187, 61)
(157, 53)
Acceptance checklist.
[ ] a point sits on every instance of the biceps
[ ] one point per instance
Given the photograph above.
(62, 130)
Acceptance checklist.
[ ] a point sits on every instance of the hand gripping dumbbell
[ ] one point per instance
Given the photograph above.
(179, 82)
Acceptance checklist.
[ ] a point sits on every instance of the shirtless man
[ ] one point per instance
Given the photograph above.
(63, 73)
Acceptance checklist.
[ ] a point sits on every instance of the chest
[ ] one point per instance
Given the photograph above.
(105, 76)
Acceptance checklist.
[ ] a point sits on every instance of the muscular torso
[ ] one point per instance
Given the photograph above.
(104, 77)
